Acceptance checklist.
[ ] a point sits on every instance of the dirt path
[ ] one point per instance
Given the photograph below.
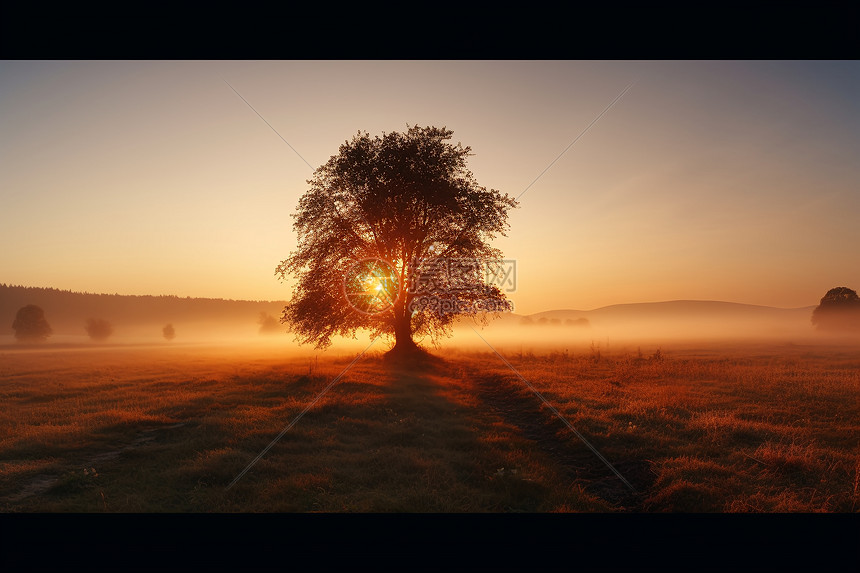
(521, 408)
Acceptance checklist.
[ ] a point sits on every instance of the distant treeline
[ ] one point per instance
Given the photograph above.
(68, 312)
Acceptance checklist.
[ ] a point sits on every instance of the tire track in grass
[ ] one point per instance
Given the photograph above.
(520, 408)
(44, 482)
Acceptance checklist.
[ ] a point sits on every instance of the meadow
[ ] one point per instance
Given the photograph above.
(167, 428)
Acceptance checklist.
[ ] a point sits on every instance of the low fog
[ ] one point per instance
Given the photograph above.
(631, 327)
(80, 320)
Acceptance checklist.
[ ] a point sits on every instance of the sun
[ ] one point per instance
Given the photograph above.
(371, 286)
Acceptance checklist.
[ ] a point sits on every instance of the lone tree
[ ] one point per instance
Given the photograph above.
(393, 236)
(99, 329)
(839, 310)
(169, 332)
(268, 323)
(30, 324)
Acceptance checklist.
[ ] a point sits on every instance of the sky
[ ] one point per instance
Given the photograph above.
(707, 180)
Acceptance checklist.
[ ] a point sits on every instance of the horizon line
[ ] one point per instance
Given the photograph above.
(512, 313)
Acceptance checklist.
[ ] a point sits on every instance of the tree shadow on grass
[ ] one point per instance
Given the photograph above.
(389, 438)
(520, 408)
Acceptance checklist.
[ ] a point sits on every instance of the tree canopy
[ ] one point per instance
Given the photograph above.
(30, 324)
(169, 332)
(394, 236)
(98, 329)
(839, 309)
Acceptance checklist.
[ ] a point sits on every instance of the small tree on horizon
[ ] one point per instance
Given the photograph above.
(99, 329)
(169, 332)
(268, 323)
(30, 324)
(839, 309)
(381, 233)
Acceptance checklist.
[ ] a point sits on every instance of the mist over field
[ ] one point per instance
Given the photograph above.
(650, 323)
(726, 425)
(140, 320)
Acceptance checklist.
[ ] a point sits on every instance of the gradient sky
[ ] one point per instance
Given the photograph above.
(736, 181)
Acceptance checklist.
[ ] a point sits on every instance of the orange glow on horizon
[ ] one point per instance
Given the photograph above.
(728, 181)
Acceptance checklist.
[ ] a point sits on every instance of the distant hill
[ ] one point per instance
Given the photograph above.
(677, 309)
(67, 311)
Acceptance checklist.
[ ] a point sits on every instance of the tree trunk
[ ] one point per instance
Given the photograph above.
(403, 333)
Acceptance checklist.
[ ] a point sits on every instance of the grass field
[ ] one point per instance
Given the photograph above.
(771, 428)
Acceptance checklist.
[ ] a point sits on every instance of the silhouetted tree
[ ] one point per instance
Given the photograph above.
(30, 324)
(99, 329)
(268, 323)
(169, 332)
(839, 309)
(394, 237)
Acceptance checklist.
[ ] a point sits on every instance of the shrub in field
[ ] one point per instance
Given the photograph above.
(268, 324)
(169, 332)
(30, 324)
(839, 309)
(99, 329)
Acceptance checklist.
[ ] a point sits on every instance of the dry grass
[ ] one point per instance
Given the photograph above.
(167, 429)
(753, 433)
